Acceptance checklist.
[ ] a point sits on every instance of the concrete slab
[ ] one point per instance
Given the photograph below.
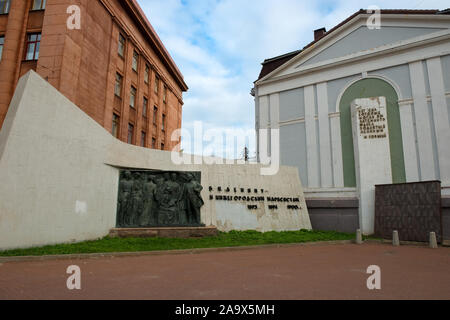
(184, 232)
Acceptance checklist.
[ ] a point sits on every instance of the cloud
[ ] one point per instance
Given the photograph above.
(219, 45)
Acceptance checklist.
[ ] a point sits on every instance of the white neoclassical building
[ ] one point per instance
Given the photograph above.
(397, 76)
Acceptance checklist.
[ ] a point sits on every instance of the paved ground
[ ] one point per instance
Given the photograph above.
(301, 272)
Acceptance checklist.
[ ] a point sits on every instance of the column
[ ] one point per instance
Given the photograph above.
(311, 139)
(409, 143)
(423, 125)
(326, 174)
(274, 111)
(336, 142)
(440, 116)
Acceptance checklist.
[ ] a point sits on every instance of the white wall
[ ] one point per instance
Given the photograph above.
(425, 120)
(59, 174)
(410, 53)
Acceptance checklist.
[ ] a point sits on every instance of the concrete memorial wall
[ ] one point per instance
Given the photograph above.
(60, 171)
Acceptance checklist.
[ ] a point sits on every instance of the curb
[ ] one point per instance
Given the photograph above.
(444, 244)
(165, 252)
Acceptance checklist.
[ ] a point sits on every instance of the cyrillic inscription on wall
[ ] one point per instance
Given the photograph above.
(372, 123)
(254, 198)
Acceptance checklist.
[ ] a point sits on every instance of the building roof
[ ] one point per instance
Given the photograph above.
(271, 64)
(161, 50)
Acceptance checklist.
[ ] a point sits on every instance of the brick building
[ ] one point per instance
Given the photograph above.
(114, 67)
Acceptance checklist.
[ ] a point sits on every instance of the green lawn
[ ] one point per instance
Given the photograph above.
(230, 239)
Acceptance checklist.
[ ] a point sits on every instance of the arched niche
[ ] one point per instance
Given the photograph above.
(367, 88)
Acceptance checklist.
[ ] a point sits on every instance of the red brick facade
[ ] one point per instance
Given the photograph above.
(84, 65)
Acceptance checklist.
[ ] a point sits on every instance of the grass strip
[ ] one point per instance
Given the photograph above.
(229, 239)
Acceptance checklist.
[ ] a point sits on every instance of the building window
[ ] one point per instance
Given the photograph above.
(156, 84)
(2, 42)
(33, 45)
(165, 94)
(153, 143)
(132, 97)
(143, 136)
(135, 61)
(115, 125)
(163, 127)
(130, 134)
(118, 87)
(155, 114)
(162, 146)
(4, 6)
(121, 49)
(39, 4)
(146, 73)
(144, 107)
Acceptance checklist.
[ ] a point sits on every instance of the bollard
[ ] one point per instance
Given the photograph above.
(433, 240)
(395, 239)
(359, 237)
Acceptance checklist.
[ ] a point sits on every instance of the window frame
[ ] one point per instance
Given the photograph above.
(165, 94)
(156, 87)
(43, 4)
(133, 89)
(5, 7)
(36, 43)
(153, 143)
(143, 138)
(121, 45)
(121, 85)
(147, 73)
(155, 115)
(2, 44)
(135, 61)
(145, 107)
(115, 125)
(130, 130)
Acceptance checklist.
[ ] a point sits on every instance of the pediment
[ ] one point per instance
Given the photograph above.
(356, 38)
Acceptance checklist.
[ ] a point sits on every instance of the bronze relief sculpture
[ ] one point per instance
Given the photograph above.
(159, 199)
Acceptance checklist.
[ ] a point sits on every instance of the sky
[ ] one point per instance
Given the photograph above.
(219, 45)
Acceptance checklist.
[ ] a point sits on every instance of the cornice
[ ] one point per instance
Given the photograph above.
(437, 37)
(357, 21)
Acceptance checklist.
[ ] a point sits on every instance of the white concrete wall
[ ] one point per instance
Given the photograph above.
(59, 174)
(411, 53)
(424, 106)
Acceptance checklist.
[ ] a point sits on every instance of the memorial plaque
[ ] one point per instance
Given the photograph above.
(414, 209)
(372, 154)
(159, 199)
